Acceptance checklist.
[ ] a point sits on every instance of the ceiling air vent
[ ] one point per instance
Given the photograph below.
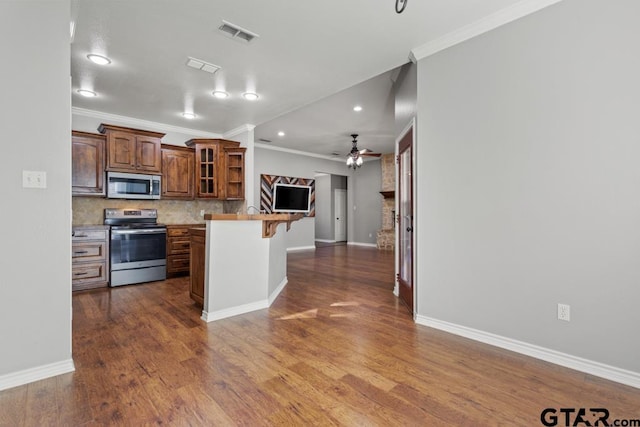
(237, 33)
(264, 140)
(199, 64)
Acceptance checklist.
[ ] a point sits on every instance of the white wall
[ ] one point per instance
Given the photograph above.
(529, 181)
(35, 274)
(366, 211)
(324, 208)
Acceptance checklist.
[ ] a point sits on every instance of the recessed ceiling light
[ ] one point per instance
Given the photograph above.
(189, 116)
(250, 96)
(280, 133)
(99, 59)
(357, 108)
(220, 94)
(87, 93)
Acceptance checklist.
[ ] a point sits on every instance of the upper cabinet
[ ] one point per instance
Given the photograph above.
(219, 169)
(177, 172)
(234, 173)
(87, 164)
(132, 150)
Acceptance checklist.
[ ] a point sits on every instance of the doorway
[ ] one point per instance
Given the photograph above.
(331, 209)
(405, 251)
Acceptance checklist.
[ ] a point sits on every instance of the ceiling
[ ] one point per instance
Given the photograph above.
(312, 62)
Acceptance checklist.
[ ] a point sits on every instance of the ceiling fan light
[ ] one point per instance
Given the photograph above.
(359, 161)
(349, 161)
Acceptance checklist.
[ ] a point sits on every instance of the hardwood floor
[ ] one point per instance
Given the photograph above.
(336, 348)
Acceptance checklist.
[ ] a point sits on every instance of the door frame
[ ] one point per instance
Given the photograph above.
(411, 126)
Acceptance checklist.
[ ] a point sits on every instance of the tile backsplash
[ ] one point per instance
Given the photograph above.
(90, 210)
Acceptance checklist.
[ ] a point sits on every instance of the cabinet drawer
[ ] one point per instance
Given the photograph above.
(178, 263)
(88, 251)
(90, 272)
(82, 235)
(178, 247)
(178, 232)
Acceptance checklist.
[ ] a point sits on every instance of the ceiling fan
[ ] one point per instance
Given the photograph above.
(355, 156)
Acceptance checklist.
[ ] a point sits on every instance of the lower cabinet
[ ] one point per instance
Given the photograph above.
(196, 286)
(178, 249)
(89, 257)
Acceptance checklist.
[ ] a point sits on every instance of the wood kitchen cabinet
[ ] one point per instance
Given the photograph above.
(177, 172)
(197, 263)
(89, 257)
(178, 249)
(87, 164)
(234, 173)
(132, 150)
(219, 169)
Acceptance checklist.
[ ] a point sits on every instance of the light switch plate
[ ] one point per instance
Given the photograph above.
(34, 179)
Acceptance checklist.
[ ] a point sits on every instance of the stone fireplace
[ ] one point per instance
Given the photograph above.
(385, 239)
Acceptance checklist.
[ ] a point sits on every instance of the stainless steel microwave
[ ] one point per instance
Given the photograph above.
(132, 186)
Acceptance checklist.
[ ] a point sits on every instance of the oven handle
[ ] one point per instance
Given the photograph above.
(148, 231)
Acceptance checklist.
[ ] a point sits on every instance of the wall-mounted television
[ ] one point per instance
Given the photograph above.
(291, 198)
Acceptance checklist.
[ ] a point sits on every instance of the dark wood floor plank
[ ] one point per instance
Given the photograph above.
(335, 348)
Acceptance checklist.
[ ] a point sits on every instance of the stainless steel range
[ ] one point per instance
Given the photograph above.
(138, 246)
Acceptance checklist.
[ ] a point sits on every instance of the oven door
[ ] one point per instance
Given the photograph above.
(138, 248)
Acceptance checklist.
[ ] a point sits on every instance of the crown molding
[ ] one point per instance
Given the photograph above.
(488, 23)
(237, 131)
(139, 123)
(298, 152)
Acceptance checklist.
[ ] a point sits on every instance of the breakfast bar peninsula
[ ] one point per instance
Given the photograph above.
(245, 262)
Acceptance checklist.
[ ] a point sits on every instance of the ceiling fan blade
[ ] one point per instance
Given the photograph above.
(371, 154)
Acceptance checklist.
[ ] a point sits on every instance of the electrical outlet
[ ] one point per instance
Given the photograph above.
(201, 212)
(564, 312)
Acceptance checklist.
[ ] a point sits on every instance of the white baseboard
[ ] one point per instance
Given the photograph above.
(598, 369)
(326, 241)
(368, 245)
(210, 316)
(279, 289)
(19, 378)
(301, 248)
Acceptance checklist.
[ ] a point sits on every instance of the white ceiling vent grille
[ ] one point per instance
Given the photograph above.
(237, 33)
(199, 64)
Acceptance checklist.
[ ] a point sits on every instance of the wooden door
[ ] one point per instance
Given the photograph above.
(405, 219)
(177, 173)
(121, 154)
(87, 164)
(197, 264)
(148, 154)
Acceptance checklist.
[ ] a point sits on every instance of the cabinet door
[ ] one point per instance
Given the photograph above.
(121, 151)
(207, 171)
(177, 174)
(197, 265)
(148, 157)
(87, 165)
(234, 173)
